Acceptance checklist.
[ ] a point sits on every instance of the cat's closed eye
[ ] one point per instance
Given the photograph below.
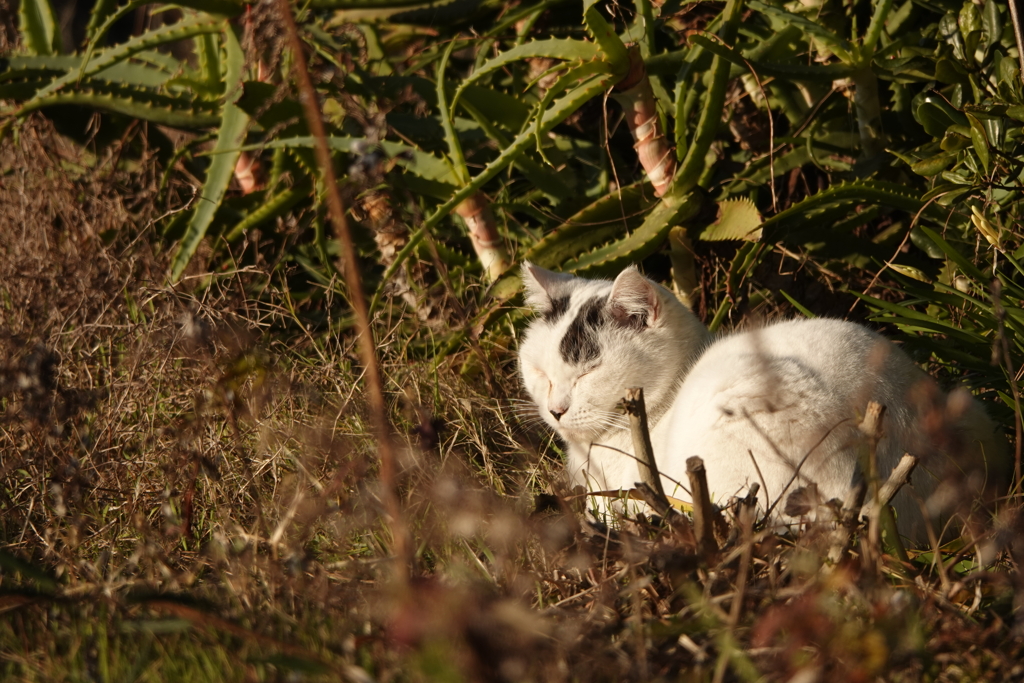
(539, 374)
(586, 372)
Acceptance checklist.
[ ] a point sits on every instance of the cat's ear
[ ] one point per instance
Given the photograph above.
(634, 300)
(543, 286)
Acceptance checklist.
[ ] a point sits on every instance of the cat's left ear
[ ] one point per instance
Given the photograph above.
(634, 300)
(543, 286)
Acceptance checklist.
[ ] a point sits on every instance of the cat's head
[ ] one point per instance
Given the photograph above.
(593, 339)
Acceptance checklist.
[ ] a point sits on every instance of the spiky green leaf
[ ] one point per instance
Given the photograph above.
(37, 26)
(225, 155)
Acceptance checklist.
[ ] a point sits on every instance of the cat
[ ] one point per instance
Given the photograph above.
(788, 396)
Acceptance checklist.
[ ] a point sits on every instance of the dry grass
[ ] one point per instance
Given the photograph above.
(188, 491)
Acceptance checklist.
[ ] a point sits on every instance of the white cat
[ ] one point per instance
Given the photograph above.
(788, 396)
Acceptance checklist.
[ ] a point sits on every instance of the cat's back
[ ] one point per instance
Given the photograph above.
(808, 355)
(784, 391)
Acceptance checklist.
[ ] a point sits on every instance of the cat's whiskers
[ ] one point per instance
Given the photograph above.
(527, 413)
(612, 418)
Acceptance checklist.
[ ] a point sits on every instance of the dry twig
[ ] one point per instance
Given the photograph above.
(350, 268)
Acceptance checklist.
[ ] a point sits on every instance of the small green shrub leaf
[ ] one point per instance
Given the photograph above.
(738, 219)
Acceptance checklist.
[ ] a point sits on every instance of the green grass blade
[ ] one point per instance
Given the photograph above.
(955, 256)
(804, 311)
(12, 564)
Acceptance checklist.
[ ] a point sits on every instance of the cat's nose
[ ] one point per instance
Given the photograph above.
(557, 414)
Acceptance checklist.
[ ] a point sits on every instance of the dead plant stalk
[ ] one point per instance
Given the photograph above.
(350, 271)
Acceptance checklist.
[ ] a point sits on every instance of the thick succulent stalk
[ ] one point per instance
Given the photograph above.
(684, 267)
(249, 173)
(869, 112)
(248, 169)
(483, 231)
(636, 96)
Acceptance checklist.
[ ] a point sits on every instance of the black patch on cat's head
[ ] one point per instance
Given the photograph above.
(579, 345)
(558, 308)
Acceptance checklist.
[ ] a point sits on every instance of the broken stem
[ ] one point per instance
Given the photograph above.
(703, 512)
(637, 411)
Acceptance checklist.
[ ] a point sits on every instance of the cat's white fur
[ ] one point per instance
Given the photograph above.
(789, 396)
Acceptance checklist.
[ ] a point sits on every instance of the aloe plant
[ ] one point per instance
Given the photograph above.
(489, 138)
(133, 79)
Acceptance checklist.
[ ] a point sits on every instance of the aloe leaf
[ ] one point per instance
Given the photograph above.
(544, 179)
(207, 49)
(798, 72)
(450, 138)
(875, 28)
(565, 49)
(878, 192)
(37, 26)
(271, 208)
(21, 89)
(416, 161)
(101, 11)
(56, 63)
(552, 117)
(610, 215)
(170, 111)
(643, 242)
(220, 8)
(497, 106)
(762, 170)
(129, 74)
(225, 154)
(604, 33)
(711, 115)
(160, 60)
(842, 48)
(186, 28)
(587, 70)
